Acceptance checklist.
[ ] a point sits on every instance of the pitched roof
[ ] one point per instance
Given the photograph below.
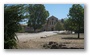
(52, 17)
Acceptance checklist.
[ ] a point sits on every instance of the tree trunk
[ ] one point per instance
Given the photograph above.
(78, 31)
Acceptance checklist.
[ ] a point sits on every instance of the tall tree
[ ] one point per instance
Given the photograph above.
(76, 14)
(12, 16)
(38, 15)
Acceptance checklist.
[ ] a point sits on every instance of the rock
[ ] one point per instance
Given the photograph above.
(55, 43)
(54, 47)
(50, 43)
(42, 37)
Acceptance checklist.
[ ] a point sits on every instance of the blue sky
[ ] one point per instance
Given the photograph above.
(58, 10)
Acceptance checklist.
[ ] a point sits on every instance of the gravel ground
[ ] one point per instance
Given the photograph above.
(34, 40)
(27, 36)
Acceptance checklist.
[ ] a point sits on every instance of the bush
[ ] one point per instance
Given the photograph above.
(11, 25)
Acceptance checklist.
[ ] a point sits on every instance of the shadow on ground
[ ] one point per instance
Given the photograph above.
(72, 38)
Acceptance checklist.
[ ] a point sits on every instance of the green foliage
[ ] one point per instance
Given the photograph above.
(37, 16)
(21, 30)
(59, 26)
(69, 25)
(12, 16)
(76, 16)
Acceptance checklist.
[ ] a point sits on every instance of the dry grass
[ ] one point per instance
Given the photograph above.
(37, 43)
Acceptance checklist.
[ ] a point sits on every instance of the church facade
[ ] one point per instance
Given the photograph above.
(50, 24)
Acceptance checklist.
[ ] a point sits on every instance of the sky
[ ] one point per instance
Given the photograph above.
(59, 10)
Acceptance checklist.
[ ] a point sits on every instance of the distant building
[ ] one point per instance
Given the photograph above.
(48, 26)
